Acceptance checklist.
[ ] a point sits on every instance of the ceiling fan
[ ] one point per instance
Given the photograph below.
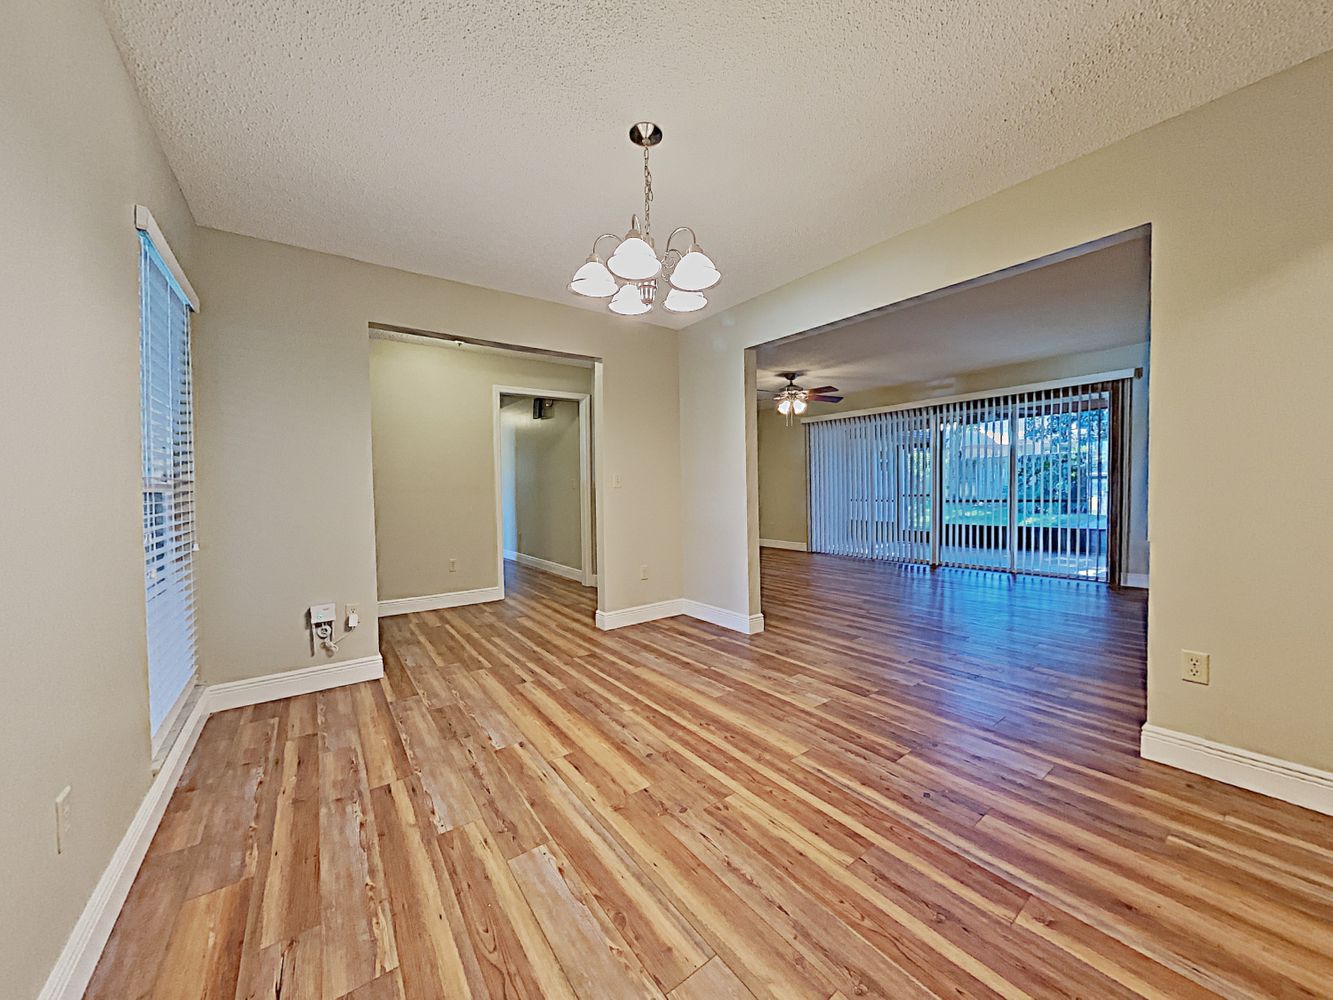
(792, 399)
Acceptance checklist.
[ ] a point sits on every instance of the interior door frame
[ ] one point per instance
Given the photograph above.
(589, 578)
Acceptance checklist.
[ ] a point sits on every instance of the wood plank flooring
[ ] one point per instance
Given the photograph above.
(913, 784)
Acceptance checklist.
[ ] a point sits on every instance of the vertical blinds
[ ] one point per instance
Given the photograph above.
(168, 482)
(1026, 482)
(871, 486)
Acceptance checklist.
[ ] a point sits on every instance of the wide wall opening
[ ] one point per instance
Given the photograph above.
(963, 477)
(483, 475)
(999, 425)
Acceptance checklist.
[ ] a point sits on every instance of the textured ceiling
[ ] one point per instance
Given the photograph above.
(485, 141)
(1088, 303)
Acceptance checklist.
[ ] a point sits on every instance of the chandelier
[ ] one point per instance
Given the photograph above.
(631, 277)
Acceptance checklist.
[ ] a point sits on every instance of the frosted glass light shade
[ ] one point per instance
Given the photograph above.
(798, 406)
(784, 406)
(593, 280)
(634, 260)
(695, 272)
(683, 302)
(627, 302)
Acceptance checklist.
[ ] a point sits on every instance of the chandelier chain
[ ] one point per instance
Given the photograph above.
(647, 196)
(635, 278)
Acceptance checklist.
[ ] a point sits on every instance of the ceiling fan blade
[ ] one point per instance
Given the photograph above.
(823, 389)
(813, 398)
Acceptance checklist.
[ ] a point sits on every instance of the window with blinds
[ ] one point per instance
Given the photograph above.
(168, 482)
(1027, 482)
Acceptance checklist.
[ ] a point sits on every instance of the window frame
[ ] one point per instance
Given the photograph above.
(175, 488)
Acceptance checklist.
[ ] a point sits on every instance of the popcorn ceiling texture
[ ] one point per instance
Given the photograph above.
(486, 141)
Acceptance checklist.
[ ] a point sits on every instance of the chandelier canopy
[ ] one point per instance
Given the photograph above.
(629, 278)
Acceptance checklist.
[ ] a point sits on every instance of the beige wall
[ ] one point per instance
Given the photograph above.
(1242, 287)
(75, 157)
(433, 447)
(783, 482)
(546, 514)
(284, 439)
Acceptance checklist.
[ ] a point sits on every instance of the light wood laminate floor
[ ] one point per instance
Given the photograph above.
(913, 784)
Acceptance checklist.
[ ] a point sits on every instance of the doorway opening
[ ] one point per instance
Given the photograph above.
(543, 467)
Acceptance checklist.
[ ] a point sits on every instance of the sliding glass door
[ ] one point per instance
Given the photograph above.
(974, 442)
(872, 477)
(1063, 483)
(1025, 482)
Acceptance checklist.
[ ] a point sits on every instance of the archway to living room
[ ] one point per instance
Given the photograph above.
(484, 482)
(960, 480)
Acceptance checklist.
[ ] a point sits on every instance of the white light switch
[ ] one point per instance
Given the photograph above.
(62, 820)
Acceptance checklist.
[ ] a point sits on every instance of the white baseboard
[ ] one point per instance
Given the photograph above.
(608, 620)
(1271, 776)
(511, 555)
(74, 968)
(746, 624)
(290, 683)
(1139, 580)
(435, 602)
(737, 622)
(777, 543)
(559, 569)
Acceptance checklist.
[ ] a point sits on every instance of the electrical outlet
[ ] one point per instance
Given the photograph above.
(1194, 666)
(62, 820)
(615, 480)
(643, 572)
(353, 618)
(453, 565)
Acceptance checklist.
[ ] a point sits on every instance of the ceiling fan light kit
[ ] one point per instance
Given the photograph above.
(793, 400)
(629, 277)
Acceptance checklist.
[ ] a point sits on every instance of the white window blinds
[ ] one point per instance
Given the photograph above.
(168, 482)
